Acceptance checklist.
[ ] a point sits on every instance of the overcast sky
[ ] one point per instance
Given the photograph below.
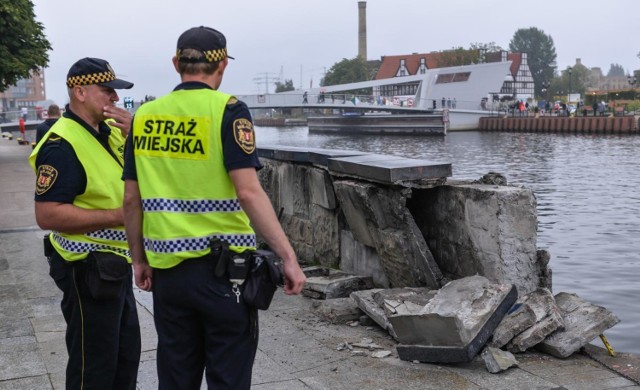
(299, 40)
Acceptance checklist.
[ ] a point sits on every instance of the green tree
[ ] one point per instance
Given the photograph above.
(286, 86)
(571, 80)
(616, 70)
(490, 47)
(541, 54)
(483, 48)
(458, 56)
(23, 46)
(347, 71)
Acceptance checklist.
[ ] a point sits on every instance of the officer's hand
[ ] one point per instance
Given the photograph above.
(121, 118)
(294, 278)
(143, 276)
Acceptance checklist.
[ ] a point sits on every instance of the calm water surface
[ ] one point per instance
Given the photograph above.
(587, 188)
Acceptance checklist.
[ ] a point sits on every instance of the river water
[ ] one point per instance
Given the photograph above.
(587, 189)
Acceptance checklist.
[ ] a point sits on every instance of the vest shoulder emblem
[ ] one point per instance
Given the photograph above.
(244, 135)
(47, 175)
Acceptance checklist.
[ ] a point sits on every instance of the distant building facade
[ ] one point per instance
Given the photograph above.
(596, 81)
(26, 93)
(518, 83)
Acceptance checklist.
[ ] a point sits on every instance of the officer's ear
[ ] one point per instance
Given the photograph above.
(80, 92)
(222, 65)
(175, 63)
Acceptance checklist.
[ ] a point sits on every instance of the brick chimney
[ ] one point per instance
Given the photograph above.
(362, 30)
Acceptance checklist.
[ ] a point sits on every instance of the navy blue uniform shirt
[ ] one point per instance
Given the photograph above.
(234, 156)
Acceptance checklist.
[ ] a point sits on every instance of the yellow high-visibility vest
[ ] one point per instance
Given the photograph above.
(187, 194)
(104, 190)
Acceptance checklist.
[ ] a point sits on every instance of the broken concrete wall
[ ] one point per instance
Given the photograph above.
(394, 220)
(377, 216)
(478, 229)
(304, 196)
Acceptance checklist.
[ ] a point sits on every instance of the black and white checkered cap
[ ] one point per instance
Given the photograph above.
(207, 40)
(89, 71)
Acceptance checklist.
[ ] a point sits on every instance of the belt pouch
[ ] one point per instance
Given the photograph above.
(105, 274)
(263, 279)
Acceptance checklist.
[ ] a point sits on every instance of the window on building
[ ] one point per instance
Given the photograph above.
(444, 78)
(422, 69)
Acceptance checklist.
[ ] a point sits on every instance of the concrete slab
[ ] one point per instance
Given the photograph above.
(337, 284)
(315, 156)
(583, 322)
(403, 301)
(15, 328)
(321, 157)
(440, 335)
(367, 304)
(40, 382)
(389, 169)
(514, 378)
(519, 318)
(20, 359)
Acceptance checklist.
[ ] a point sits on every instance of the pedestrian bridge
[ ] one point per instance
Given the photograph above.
(436, 89)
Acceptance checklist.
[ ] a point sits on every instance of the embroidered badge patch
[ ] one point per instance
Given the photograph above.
(47, 175)
(244, 135)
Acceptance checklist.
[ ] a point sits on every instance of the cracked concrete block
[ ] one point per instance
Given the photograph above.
(535, 334)
(336, 284)
(539, 317)
(583, 322)
(456, 323)
(365, 301)
(520, 318)
(406, 300)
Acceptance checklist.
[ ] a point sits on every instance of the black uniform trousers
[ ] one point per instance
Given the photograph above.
(202, 323)
(103, 336)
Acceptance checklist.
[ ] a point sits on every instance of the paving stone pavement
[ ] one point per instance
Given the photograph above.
(297, 350)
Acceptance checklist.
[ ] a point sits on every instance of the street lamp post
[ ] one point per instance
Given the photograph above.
(545, 91)
(633, 82)
(569, 97)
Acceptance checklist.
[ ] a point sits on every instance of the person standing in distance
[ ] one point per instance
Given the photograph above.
(190, 176)
(53, 113)
(78, 196)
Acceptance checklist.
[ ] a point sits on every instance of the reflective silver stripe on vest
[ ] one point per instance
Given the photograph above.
(108, 234)
(197, 244)
(190, 206)
(85, 247)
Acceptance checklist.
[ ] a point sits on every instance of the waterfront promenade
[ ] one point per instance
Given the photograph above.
(578, 124)
(297, 350)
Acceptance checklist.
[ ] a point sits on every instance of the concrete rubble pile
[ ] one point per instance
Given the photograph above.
(471, 316)
(447, 267)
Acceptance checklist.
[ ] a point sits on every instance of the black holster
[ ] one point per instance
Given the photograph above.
(228, 264)
(258, 271)
(48, 246)
(265, 275)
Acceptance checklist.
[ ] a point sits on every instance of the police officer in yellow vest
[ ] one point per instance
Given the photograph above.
(78, 196)
(190, 175)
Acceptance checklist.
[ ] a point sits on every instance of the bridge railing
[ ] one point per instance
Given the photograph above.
(345, 100)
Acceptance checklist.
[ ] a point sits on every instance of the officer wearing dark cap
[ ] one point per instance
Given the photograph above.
(78, 196)
(190, 179)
